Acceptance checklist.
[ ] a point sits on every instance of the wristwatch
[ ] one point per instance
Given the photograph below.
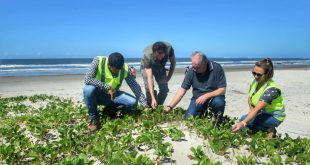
(169, 107)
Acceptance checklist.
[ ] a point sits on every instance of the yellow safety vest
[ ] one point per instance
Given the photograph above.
(113, 82)
(276, 108)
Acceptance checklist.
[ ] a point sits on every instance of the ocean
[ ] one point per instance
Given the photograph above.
(38, 67)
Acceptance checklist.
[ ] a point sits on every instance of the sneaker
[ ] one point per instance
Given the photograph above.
(271, 133)
(94, 125)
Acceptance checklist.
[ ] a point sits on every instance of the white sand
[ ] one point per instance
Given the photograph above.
(294, 83)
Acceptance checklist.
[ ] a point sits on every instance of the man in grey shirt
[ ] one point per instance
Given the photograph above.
(207, 78)
(153, 64)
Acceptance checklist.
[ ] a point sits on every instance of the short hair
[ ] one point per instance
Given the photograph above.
(159, 47)
(116, 60)
(267, 65)
(200, 53)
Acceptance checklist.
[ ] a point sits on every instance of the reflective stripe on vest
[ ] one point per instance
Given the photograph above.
(103, 70)
(276, 108)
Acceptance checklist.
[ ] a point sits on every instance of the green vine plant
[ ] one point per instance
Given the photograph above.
(43, 129)
(200, 157)
(175, 134)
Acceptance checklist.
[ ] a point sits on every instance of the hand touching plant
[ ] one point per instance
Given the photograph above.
(154, 103)
(112, 92)
(168, 108)
(236, 127)
(146, 108)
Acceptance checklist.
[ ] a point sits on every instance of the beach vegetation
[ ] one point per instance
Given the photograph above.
(43, 129)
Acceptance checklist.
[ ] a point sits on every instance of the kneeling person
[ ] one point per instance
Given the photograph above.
(207, 78)
(102, 83)
(266, 102)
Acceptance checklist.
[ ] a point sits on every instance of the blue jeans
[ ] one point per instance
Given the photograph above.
(94, 96)
(216, 106)
(161, 79)
(262, 122)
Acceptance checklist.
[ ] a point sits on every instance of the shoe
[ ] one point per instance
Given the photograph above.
(271, 133)
(94, 125)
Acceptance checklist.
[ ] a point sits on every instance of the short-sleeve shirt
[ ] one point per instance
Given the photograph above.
(212, 79)
(149, 60)
(270, 95)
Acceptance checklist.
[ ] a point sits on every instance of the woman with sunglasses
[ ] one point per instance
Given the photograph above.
(265, 101)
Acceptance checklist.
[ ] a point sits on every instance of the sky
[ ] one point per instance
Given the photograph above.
(220, 28)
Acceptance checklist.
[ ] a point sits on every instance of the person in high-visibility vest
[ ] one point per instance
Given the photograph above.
(265, 101)
(102, 83)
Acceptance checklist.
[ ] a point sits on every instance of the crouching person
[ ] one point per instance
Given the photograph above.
(208, 81)
(265, 101)
(102, 83)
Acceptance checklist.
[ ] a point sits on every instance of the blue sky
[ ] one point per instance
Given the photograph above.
(221, 28)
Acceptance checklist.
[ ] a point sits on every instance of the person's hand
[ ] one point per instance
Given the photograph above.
(154, 103)
(133, 71)
(236, 127)
(201, 99)
(146, 108)
(112, 92)
(168, 109)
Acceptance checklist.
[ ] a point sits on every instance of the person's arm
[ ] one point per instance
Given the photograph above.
(220, 87)
(250, 104)
(133, 70)
(172, 67)
(250, 116)
(149, 76)
(136, 88)
(203, 98)
(90, 77)
(176, 99)
(187, 83)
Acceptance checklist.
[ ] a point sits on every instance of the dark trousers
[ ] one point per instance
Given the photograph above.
(216, 105)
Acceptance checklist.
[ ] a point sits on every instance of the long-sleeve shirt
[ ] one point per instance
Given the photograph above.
(90, 79)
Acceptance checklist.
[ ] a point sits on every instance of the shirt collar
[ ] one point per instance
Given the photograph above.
(210, 65)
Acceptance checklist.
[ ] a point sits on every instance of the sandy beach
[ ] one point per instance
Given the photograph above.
(294, 83)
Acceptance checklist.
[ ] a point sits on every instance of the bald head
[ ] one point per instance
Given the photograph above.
(199, 61)
(199, 56)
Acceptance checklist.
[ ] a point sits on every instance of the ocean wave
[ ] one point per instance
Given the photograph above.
(58, 67)
(134, 63)
(42, 66)
(41, 70)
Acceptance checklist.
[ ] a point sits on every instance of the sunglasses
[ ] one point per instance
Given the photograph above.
(257, 74)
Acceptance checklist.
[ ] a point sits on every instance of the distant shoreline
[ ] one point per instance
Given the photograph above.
(37, 67)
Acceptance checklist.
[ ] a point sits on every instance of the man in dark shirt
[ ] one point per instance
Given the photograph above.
(153, 64)
(207, 78)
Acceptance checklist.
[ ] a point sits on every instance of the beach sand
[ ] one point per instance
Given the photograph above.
(294, 83)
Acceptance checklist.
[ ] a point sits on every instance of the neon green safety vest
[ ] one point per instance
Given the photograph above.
(113, 82)
(276, 108)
